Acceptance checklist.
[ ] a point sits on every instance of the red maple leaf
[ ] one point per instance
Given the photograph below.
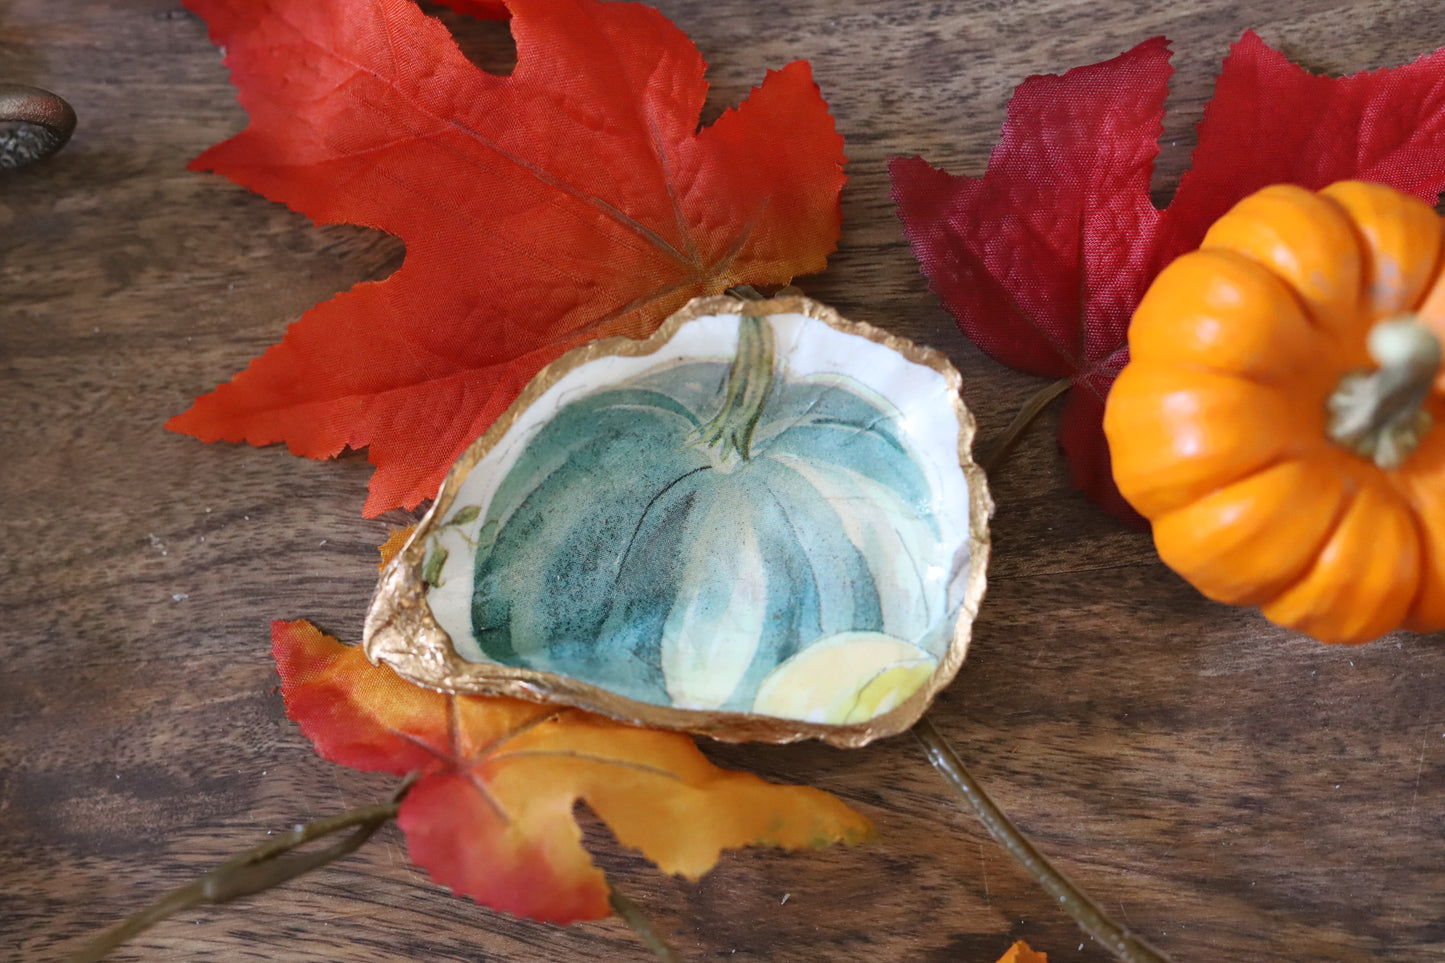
(492, 814)
(1043, 259)
(574, 199)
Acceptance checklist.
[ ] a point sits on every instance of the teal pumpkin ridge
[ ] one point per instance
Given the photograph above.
(676, 537)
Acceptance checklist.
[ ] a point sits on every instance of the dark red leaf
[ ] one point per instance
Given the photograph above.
(1043, 259)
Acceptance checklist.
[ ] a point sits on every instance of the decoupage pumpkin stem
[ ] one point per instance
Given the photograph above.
(1091, 919)
(1380, 414)
(731, 430)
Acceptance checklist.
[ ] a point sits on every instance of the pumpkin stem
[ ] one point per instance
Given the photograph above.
(1380, 414)
(749, 380)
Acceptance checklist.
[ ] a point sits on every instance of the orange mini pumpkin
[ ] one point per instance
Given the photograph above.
(1282, 418)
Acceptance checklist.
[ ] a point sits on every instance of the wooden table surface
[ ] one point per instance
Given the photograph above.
(1230, 791)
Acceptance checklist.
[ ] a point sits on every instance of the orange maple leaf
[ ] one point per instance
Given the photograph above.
(574, 199)
(396, 540)
(492, 814)
(1020, 953)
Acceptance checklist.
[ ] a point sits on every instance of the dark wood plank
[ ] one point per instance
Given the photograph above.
(1230, 791)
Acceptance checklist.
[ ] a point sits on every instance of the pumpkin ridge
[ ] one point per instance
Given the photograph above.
(1422, 538)
(1289, 285)
(1419, 617)
(1307, 240)
(827, 391)
(867, 606)
(1280, 382)
(1315, 323)
(1282, 456)
(1367, 258)
(1227, 568)
(1341, 510)
(536, 466)
(1392, 229)
(809, 565)
(798, 441)
(1408, 481)
(704, 642)
(642, 519)
(838, 423)
(680, 410)
(800, 467)
(781, 449)
(1342, 606)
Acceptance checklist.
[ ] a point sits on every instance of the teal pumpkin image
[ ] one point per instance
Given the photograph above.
(712, 533)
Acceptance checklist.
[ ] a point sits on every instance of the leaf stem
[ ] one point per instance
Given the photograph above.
(262, 867)
(254, 870)
(633, 916)
(1021, 421)
(1093, 920)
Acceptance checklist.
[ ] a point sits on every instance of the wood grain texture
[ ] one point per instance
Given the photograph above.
(1228, 790)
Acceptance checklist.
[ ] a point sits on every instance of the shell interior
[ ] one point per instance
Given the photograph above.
(761, 523)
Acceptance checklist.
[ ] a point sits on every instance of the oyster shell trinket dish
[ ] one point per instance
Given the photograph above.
(761, 523)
